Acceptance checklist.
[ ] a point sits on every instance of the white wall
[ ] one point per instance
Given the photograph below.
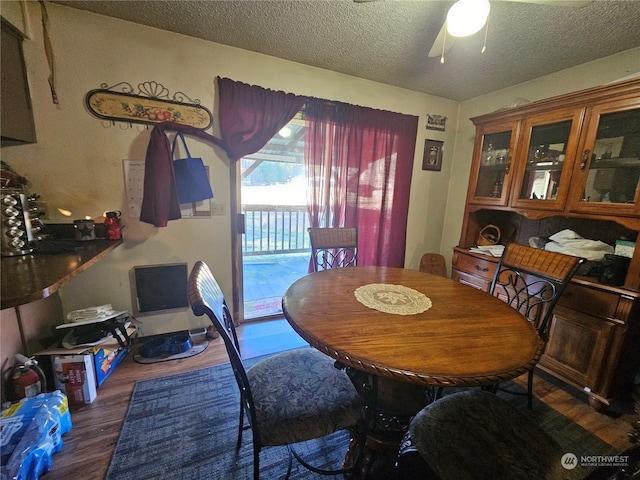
(77, 163)
(599, 72)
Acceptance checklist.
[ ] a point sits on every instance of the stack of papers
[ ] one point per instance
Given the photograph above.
(90, 315)
(493, 250)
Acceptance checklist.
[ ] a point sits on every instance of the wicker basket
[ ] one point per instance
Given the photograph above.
(489, 235)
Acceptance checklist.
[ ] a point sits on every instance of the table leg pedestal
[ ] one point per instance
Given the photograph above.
(389, 407)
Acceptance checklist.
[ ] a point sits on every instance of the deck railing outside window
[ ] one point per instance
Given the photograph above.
(273, 229)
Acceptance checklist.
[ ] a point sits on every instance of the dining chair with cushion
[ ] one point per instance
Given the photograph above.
(433, 263)
(289, 397)
(478, 435)
(531, 281)
(333, 247)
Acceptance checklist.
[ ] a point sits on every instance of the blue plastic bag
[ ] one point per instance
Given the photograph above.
(31, 433)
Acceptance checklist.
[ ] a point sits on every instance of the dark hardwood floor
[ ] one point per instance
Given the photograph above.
(89, 445)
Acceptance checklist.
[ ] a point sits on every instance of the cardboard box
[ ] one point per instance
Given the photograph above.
(625, 248)
(106, 358)
(75, 375)
(79, 372)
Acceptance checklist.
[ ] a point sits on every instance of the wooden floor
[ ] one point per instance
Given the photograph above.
(89, 445)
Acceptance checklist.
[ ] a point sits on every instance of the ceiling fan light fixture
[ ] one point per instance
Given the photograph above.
(467, 17)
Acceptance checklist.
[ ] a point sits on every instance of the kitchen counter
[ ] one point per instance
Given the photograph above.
(32, 277)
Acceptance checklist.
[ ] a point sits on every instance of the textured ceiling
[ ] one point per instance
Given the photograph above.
(388, 41)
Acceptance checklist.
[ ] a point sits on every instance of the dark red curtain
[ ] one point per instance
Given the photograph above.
(250, 115)
(359, 163)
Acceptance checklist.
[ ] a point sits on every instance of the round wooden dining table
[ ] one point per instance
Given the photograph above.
(465, 337)
(401, 331)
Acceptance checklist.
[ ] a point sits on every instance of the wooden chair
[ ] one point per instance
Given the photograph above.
(476, 434)
(433, 263)
(289, 397)
(531, 280)
(333, 247)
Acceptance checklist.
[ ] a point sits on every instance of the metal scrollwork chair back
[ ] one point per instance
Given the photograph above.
(289, 397)
(531, 281)
(333, 247)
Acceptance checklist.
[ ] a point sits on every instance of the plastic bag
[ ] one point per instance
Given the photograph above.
(31, 433)
(569, 242)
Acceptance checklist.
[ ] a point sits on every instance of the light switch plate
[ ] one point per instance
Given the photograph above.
(218, 209)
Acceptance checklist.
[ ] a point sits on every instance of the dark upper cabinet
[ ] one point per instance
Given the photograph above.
(17, 126)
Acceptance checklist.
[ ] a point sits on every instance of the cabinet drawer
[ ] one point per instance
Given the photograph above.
(471, 280)
(589, 300)
(476, 266)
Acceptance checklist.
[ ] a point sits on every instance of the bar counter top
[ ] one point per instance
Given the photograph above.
(27, 278)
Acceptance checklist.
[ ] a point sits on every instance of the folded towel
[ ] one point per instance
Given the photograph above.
(570, 243)
(90, 313)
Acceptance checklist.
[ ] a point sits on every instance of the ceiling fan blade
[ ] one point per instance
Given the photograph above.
(436, 48)
(557, 3)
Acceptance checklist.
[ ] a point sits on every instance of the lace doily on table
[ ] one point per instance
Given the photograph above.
(389, 298)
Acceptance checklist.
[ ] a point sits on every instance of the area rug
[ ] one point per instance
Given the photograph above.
(184, 427)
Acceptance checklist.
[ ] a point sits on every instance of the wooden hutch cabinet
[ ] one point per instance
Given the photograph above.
(568, 162)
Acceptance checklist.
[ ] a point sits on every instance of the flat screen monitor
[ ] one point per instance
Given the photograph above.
(161, 287)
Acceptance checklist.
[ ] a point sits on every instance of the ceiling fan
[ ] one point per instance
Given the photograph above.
(466, 17)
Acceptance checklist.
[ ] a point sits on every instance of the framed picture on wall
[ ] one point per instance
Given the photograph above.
(432, 159)
(436, 122)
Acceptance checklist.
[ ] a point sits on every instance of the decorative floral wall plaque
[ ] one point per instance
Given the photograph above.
(150, 105)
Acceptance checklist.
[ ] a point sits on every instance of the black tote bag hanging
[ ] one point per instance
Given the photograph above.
(192, 183)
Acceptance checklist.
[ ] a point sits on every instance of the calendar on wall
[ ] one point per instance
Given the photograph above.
(134, 185)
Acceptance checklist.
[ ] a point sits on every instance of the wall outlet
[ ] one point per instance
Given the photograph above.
(218, 209)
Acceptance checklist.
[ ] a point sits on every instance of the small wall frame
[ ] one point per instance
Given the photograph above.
(432, 159)
(436, 122)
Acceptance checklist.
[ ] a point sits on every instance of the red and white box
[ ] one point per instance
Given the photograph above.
(75, 376)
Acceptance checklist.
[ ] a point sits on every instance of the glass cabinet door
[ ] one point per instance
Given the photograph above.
(545, 159)
(609, 170)
(492, 165)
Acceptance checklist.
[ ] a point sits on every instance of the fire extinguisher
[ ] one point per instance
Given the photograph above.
(27, 378)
